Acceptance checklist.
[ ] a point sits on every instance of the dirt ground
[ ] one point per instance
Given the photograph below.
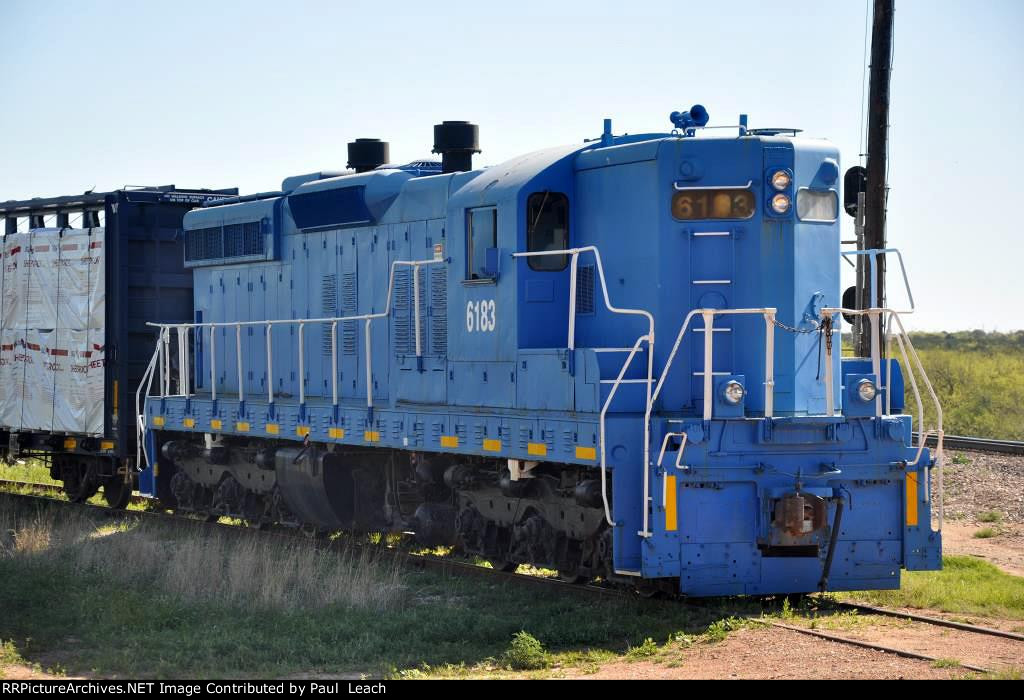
(771, 653)
(977, 482)
(994, 653)
(990, 486)
(1005, 550)
(20, 672)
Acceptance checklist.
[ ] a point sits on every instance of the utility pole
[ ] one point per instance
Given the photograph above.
(877, 189)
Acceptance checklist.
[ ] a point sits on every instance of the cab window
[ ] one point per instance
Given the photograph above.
(547, 228)
(481, 234)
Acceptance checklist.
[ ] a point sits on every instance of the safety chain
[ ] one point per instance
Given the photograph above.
(825, 326)
(791, 329)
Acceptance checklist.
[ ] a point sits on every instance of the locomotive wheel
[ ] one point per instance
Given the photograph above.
(116, 492)
(79, 489)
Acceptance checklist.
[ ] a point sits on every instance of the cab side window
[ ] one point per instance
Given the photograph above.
(481, 234)
(547, 228)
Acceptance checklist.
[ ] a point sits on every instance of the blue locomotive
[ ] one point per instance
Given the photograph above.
(617, 359)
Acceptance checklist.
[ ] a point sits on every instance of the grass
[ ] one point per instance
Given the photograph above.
(113, 597)
(30, 470)
(35, 471)
(645, 650)
(985, 533)
(979, 379)
(9, 656)
(990, 516)
(117, 598)
(964, 585)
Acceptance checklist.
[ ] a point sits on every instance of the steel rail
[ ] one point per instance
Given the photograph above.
(937, 621)
(864, 645)
(962, 442)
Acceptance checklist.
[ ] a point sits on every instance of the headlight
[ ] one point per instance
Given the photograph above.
(733, 392)
(817, 206)
(866, 390)
(780, 204)
(781, 180)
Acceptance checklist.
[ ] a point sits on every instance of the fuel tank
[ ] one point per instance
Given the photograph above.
(331, 490)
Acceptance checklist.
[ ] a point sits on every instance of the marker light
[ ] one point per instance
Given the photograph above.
(733, 392)
(780, 204)
(866, 390)
(781, 180)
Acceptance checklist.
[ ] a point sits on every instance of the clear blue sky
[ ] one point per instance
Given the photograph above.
(216, 94)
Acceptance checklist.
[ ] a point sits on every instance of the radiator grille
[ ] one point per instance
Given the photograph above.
(439, 310)
(231, 241)
(329, 307)
(585, 289)
(349, 302)
(204, 244)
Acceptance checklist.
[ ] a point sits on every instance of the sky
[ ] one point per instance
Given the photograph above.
(97, 94)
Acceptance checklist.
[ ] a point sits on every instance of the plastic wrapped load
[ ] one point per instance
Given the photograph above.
(15, 253)
(53, 310)
(41, 284)
(76, 366)
(35, 382)
(10, 399)
(80, 301)
(54, 279)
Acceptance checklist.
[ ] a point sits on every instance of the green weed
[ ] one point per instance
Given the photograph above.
(964, 585)
(645, 650)
(525, 653)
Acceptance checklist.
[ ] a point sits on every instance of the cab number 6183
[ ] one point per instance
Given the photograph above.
(480, 316)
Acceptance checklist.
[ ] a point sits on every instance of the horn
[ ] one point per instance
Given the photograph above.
(697, 116)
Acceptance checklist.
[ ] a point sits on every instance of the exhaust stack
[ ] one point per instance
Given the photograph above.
(367, 154)
(456, 141)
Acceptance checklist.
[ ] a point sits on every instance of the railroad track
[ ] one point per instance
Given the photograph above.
(975, 444)
(454, 566)
(56, 491)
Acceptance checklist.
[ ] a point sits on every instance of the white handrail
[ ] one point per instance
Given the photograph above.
(708, 315)
(161, 360)
(872, 256)
(140, 416)
(904, 342)
(604, 411)
(938, 430)
(571, 344)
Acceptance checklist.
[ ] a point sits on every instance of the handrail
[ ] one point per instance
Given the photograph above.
(571, 344)
(872, 255)
(709, 316)
(161, 353)
(913, 368)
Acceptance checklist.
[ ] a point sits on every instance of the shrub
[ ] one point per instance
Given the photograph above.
(525, 653)
(647, 649)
